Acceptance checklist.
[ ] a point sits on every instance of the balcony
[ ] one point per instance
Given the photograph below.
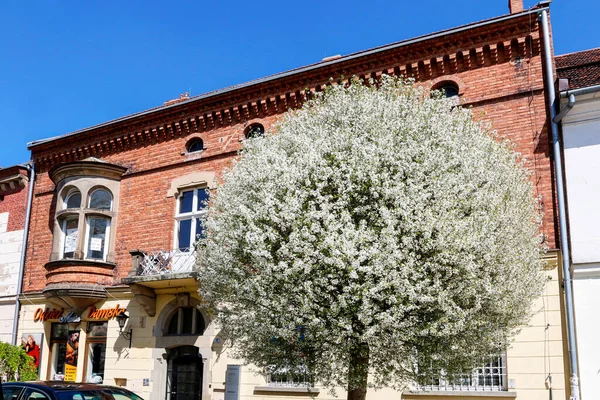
(163, 271)
(165, 262)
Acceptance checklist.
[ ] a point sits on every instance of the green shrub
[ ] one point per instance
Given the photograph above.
(15, 364)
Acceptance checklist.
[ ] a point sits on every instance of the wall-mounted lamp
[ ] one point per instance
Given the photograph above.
(122, 320)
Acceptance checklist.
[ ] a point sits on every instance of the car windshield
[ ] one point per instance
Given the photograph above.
(104, 394)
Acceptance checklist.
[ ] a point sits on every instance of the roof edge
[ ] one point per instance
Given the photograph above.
(543, 5)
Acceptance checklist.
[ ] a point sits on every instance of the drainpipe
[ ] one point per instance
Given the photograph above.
(31, 170)
(566, 109)
(564, 242)
(570, 94)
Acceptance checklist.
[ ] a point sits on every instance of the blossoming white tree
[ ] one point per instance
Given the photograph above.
(377, 231)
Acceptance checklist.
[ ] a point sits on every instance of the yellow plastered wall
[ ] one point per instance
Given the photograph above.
(536, 353)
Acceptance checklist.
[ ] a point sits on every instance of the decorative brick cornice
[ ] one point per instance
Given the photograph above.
(424, 60)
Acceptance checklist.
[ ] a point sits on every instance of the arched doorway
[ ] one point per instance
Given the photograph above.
(184, 373)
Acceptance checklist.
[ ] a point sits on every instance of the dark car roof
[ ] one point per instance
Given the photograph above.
(60, 385)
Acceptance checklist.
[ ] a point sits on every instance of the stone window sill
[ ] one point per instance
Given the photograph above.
(459, 393)
(288, 389)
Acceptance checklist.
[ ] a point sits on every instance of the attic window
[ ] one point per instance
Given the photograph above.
(449, 89)
(195, 145)
(254, 131)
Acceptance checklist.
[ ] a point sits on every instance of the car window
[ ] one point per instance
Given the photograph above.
(35, 395)
(11, 392)
(101, 394)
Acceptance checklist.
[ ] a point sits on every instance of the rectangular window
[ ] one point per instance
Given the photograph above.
(296, 377)
(98, 230)
(491, 376)
(58, 348)
(191, 209)
(96, 352)
(70, 231)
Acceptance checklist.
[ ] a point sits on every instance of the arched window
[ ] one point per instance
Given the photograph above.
(254, 131)
(101, 199)
(186, 321)
(73, 199)
(195, 145)
(449, 89)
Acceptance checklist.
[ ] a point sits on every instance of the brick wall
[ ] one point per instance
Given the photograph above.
(498, 69)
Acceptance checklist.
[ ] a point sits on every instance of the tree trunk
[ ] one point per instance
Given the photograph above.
(358, 373)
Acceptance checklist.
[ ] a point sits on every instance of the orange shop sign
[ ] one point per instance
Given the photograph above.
(94, 313)
(43, 315)
(108, 313)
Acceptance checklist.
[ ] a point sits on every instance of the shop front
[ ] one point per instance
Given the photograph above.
(168, 355)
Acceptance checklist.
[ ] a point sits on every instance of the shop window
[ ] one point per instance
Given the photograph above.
(96, 351)
(88, 193)
(191, 208)
(58, 349)
(186, 321)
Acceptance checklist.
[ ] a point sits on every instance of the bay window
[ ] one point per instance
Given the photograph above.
(86, 211)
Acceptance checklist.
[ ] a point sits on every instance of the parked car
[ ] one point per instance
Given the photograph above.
(58, 390)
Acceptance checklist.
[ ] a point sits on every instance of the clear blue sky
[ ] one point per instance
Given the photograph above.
(68, 65)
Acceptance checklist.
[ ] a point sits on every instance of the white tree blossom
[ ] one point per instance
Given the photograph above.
(376, 228)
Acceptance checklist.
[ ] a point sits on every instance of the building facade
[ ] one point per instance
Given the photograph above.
(116, 209)
(14, 182)
(579, 75)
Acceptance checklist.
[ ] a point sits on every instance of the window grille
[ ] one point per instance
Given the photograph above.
(299, 377)
(491, 377)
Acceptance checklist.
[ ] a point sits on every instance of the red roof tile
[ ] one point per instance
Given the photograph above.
(582, 69)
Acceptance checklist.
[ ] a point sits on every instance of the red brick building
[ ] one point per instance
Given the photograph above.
(115, 208)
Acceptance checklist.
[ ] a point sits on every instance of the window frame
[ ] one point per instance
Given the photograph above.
(472, 378)
(87, 237)
(194, 141)
(251, 132)
(178, 312)
(89, 342)
(82, 215)
(193, 215)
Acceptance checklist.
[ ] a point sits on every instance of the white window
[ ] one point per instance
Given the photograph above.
(95, 220)
(191, 208)
(491, 376)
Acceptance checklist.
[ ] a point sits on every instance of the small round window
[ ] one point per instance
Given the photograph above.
(195, 145)
(254, 131)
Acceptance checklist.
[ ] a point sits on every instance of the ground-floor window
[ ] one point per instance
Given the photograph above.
(490, 376)
(291, 377)
(64, 347)
(96, 351)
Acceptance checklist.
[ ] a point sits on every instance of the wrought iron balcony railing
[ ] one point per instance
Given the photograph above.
(164, 262)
